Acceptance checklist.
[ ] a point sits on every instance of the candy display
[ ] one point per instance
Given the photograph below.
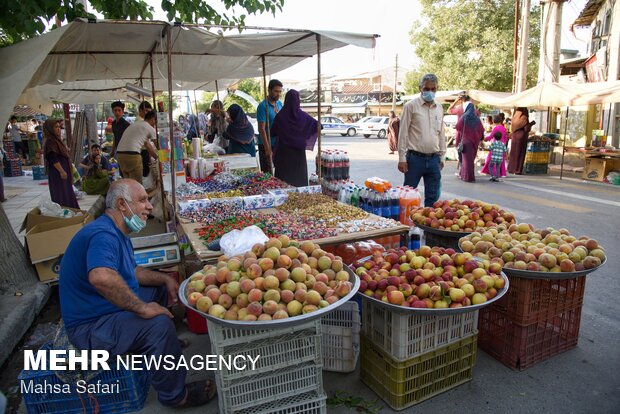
(211, 211)
(354, 226)
(296, 227)
(276, 280)
(322, 207)
(429, 278)
(227, 184)
(456, 215)
(521, 247)
(216, 230)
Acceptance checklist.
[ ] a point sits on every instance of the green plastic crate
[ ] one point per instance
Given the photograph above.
(403, 384)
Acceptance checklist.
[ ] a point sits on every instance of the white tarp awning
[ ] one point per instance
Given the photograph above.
(85, 61)
(549, 94)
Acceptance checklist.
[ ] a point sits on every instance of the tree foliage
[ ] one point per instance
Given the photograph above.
(250, 86)
(468, 44)
(26, 18)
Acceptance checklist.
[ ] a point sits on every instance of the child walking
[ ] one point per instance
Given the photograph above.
(497, 149)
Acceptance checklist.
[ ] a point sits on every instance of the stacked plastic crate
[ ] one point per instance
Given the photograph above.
(409, 357)
(288, 374)
(535, 320)
(133, 388)
(13, 165)
(340, 338)
(537, 157)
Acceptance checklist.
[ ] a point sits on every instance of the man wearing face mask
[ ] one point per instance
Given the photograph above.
(109, 303)
(422, 142)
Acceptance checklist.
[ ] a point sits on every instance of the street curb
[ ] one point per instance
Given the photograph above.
(18, 313)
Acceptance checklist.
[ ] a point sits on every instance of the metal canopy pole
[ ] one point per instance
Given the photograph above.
(564, 143)
(161, 170)
(267, 126)
(171, 122)
(318, 101)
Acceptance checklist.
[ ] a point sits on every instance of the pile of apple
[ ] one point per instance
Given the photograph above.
(429, 278)
(520, 246)
(275, 280)
(463, 216)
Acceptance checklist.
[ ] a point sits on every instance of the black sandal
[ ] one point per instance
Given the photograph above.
(195, 393)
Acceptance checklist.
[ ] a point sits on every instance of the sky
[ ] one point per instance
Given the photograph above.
(391, 19)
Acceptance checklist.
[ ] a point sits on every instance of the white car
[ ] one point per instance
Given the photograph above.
(332, 125)
(376, 125)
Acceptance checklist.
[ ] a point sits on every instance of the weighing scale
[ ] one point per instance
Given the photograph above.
(160, 250)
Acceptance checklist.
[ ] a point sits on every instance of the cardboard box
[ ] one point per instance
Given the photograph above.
(47, 242)
(34, 217)
(596, 169)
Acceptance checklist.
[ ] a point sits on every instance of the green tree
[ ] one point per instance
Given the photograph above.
(468, 44)
(23, 19)
(250, 86)
(205, 101)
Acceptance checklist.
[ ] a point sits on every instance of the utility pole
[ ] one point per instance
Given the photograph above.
(516, 48)
(395, 84)
(523, 47)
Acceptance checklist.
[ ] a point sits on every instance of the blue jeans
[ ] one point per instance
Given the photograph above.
(429, 169)
(125, 332)
(495, 168)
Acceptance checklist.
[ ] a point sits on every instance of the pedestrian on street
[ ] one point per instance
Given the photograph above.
(393, 129)
(265, 114)
(422, 141)
(471, 133)
(119, 124)
(20, 147)
(58, 166)
(498, 127)
(457, 108)
(138, 135)
(217, 124)
(497, 151)
(521, 127)
(297, 132)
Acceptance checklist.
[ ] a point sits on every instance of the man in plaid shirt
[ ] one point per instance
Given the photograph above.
(497, 149)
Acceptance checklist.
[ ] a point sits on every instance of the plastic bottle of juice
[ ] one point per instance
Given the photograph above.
(403, 202)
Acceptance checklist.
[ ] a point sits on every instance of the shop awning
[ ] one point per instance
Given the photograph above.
(349, 109)
(92, 61)
(549, 94)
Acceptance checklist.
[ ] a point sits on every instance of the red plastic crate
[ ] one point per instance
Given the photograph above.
(533, 300)
(522, 346)
(196, 323)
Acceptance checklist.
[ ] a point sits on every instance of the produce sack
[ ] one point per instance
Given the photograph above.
(237, 242)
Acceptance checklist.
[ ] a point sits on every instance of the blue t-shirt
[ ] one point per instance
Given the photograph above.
(260, 117)
(98, 244)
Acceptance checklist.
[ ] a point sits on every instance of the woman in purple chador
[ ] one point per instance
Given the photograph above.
(471, 131)
(58, 166)
(296, 132)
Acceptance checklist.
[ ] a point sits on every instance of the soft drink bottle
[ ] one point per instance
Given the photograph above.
(414, 238)
(347, 164)
(386, 208)
(403, 200)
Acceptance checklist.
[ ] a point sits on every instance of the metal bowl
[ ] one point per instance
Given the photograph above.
(528, 274)
(444, 233)
(437, 312)
(279, 323)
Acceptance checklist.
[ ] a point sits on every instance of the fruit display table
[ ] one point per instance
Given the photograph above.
(540, 315)
(271, 309)
(419, 321)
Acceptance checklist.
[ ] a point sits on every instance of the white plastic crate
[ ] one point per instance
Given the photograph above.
(276, 351)
(340, 338)
(224, 336)
(248, 392)
(302, 403)
(406, 336)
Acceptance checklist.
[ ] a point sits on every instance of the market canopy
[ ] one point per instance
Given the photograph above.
(549, 94)
(93, 60)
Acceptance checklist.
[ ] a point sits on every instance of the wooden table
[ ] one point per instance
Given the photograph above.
(206, 255)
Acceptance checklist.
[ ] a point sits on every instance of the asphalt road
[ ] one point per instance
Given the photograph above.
(583, 380)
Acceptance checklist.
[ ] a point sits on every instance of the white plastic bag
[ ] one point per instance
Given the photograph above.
(51, 209)
(238, 242)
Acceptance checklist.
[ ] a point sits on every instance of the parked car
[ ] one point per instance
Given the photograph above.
(333, 125)
(376, 125)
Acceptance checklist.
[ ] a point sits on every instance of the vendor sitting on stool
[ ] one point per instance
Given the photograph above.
(109, 303)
